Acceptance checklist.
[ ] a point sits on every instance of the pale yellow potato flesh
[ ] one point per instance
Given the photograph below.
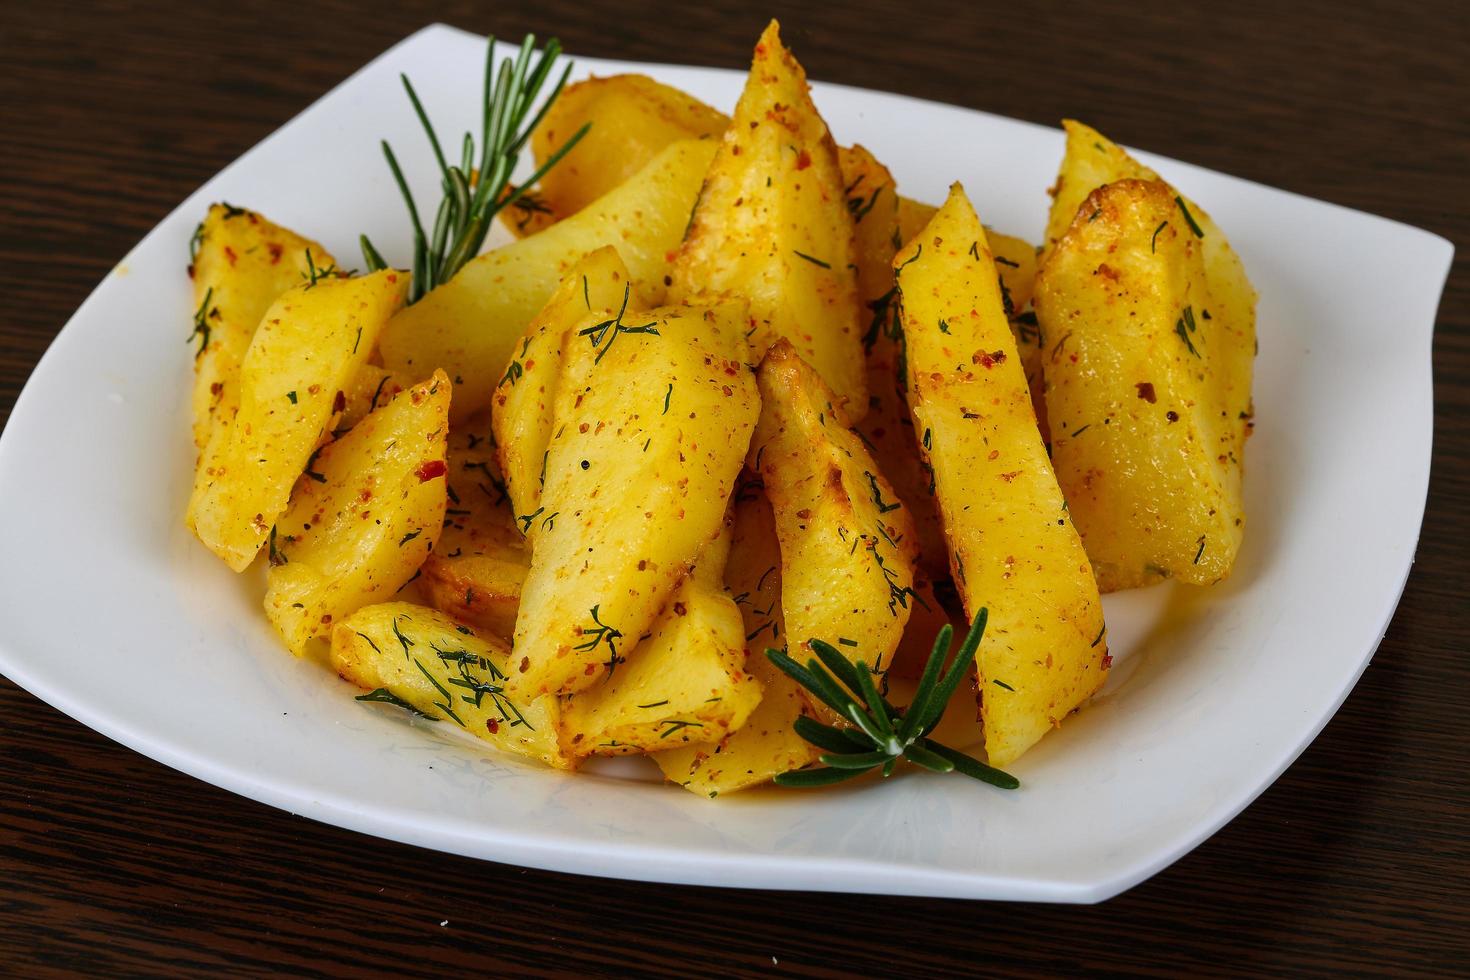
(848, 545)
(766, 744)
(1148, 389)
(631, 118)
(1013, 550)
(524, 406)
(242, 263)
(772, 226)
(364, 517)
(409, 654)
(654, 414)
(309, 346)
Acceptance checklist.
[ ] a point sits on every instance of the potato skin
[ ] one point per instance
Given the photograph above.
(471, 325)
(1012, 549)
(652, 423)
(310, 344)
(243, 264)
(1149, 416)
(448, 672)
(632, 118)
(772, 226)
(766, 744)
(360, 528)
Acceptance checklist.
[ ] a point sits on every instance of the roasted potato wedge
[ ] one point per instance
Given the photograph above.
(632, 118)
(309, 346)
(240, 264)
(654, 414)
(772, 226)
(1148, 402)
(1092, 160)
(525, 399)
(363, 518)
(471, 325)
(1012, 549)
(682, 684)
(683, 681)
(475, 572)
(1016, 263)
(766, 744)
(847, 542)
(420, 659)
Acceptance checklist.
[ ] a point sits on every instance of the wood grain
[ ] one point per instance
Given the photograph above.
(1356, 860)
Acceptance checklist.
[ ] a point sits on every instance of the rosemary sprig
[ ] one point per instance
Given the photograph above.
(883, 734)
(474, 195)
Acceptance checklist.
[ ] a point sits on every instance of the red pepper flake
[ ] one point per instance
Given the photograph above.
(433, 468)
(803, 160)
(1107, 661)
(275, 248)
(392, 277)
(1146, 391)
(492, 726)
(230, 254)
(989, 359)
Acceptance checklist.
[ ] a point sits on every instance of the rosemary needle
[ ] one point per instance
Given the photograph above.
(474, 192)
(882, 734)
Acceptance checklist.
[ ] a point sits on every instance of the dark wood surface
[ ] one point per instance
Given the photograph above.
(1355, 860)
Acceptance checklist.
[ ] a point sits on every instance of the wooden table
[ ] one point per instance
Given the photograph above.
(1355, 859)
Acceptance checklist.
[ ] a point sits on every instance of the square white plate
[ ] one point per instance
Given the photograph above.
(119, 618)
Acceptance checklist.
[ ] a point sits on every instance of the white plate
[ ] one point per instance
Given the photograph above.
(116, 616)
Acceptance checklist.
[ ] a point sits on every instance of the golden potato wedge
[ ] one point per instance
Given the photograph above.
(309, 346)
(420, 659)
(632, 118)
(1012, 549)
(363, 519)
(470, 325)
(766, 744)
(1016, 263)
(475, 572)
(1092, 160)
(659, 411)
(772, 225)
(524, 405)
(847, 542)
(1149, 409)
(482, 589)
(240, 264)
(684, 683)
